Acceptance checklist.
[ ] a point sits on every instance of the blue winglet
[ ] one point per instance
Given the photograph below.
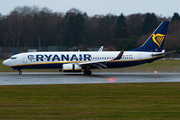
(120, 55)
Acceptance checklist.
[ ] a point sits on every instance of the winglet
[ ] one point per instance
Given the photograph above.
(120, 55)
(100, 49)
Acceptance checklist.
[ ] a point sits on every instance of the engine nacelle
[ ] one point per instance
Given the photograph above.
(71, 68)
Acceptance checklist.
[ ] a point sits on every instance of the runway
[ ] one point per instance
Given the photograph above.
(40, 78)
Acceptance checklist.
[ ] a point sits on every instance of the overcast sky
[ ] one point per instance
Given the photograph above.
(92, 7)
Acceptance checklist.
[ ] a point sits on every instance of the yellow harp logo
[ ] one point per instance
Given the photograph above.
(158, 38)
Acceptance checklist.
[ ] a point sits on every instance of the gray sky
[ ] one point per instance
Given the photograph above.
(92, 7)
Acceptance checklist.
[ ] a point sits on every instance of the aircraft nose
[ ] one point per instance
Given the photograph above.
(5, 62)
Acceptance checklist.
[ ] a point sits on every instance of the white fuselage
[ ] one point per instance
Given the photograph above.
(50, 59)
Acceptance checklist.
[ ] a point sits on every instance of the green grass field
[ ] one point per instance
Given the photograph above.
(159, 65)
(142, 101)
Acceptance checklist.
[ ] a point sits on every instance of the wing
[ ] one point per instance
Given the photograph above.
(101, 63)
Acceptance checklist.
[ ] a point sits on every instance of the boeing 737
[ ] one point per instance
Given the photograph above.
(84, 61)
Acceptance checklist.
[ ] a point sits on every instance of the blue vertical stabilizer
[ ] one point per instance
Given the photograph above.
(155, 42)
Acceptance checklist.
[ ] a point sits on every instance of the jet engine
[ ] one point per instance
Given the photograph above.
(71, 68)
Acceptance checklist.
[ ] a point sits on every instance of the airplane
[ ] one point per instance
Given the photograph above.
(84, 61)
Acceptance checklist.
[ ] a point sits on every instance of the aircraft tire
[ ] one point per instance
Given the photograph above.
(87, 72)
(20, 72)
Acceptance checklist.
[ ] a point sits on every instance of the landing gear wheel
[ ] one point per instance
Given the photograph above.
(87, 72)
(20, 72)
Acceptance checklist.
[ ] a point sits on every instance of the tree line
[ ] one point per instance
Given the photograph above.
(33, 26)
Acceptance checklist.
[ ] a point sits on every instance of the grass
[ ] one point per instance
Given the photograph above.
(145, 101)
(151, 101)
(159, 65)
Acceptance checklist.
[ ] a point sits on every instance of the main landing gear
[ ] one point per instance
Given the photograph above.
(87, 72)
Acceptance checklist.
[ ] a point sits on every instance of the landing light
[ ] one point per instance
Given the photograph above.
(155, 71)
(112, 79)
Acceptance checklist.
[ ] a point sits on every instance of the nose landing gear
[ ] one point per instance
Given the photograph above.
(20, 72)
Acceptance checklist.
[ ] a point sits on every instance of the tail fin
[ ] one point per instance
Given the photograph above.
(155, 42)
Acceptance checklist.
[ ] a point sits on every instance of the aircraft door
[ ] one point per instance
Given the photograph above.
(24, 58)
(140, 57)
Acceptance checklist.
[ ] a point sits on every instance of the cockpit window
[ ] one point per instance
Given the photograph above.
(13, 58)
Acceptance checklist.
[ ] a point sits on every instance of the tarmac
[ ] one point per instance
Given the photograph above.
(41, 78)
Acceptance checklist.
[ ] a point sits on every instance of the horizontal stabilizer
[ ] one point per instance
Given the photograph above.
(163, 53)
(158, 54)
